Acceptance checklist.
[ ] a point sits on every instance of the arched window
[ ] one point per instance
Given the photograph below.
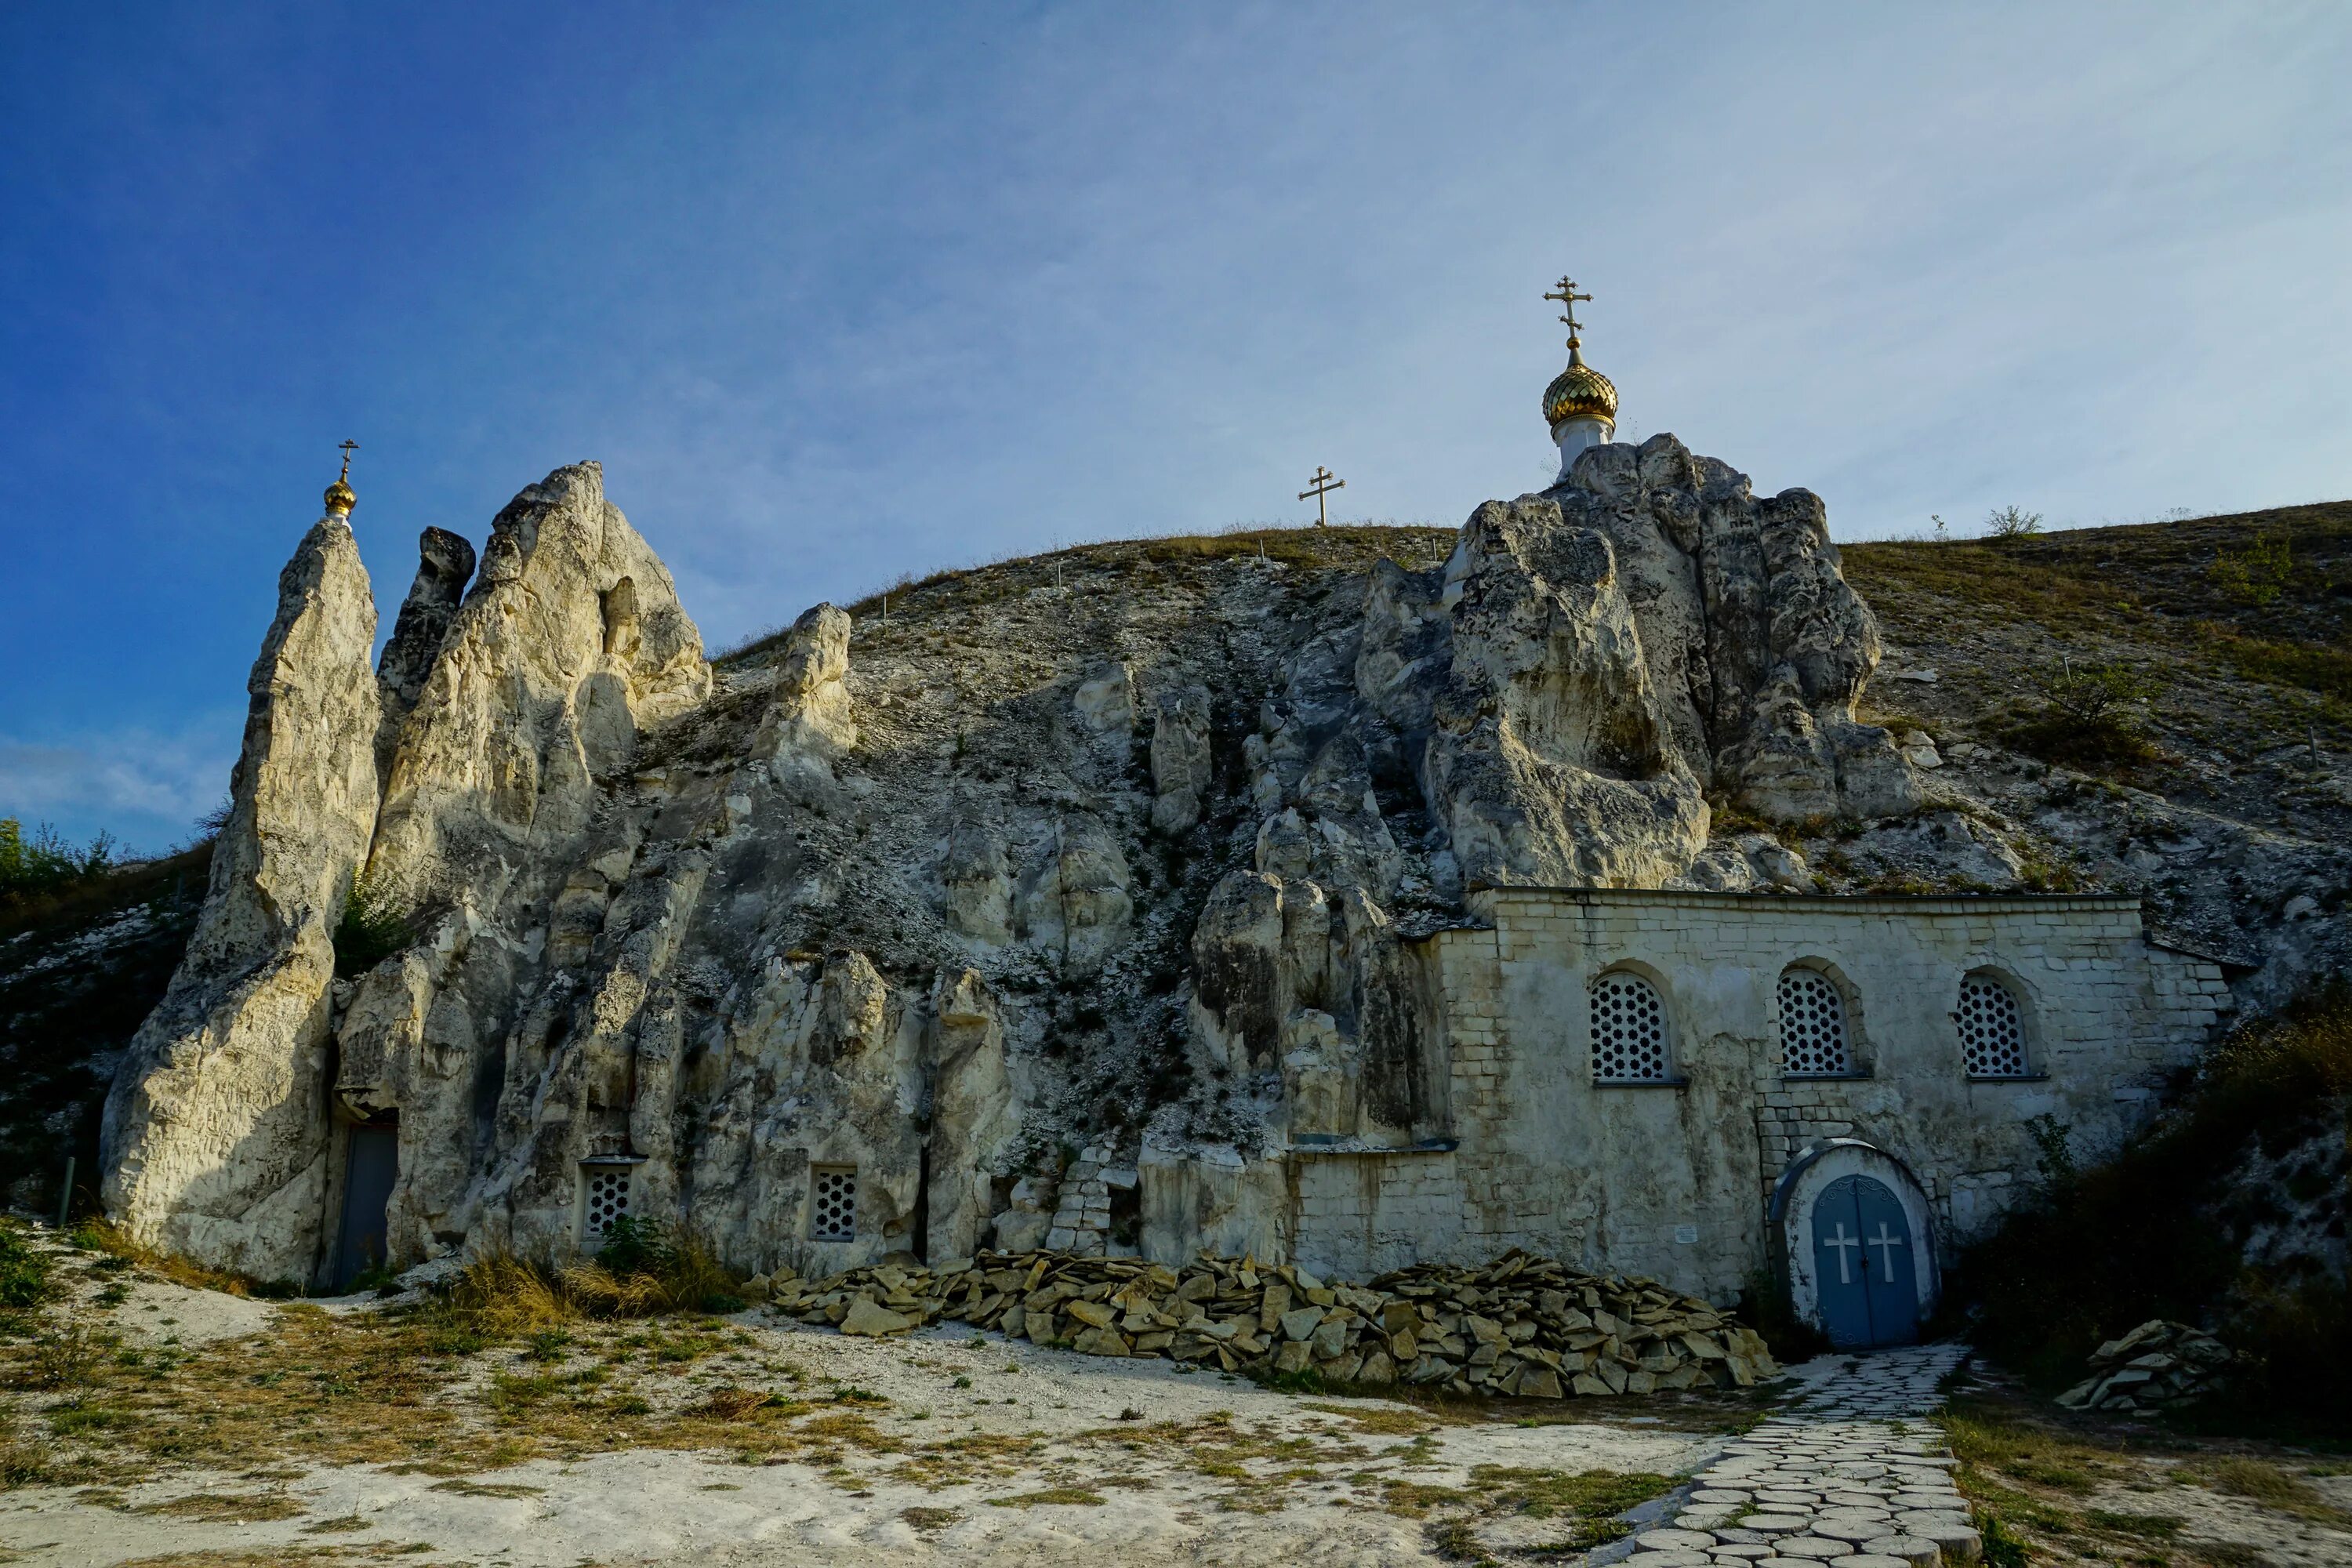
(1629, 1030)
(1813, 1041)
(1992, 1030)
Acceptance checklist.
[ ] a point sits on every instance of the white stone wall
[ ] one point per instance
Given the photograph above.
(1674, 1180)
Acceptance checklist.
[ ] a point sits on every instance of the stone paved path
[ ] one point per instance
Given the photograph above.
(1849, 1475)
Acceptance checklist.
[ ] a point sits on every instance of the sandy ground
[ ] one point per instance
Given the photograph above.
(2200, 1517)
(647, 1507)
(162, 1313)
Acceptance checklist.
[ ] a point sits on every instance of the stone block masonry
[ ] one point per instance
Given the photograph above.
(1675, 1175)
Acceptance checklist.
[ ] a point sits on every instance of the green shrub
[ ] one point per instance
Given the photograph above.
(2100, 1250)
(2012, 522)
(371, 930)
(2088, 714)
(24, 1272)
(44, 862)
(635, 1246)
(1765, 1309)
(2255, 575)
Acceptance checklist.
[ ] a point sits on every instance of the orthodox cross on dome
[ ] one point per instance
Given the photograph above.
(340, 496)
(1567, 295)
(1846, 1246)
(1889, 1241)
(1321, 485)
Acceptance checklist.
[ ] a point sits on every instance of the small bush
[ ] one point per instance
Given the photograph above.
(1767, 1310)
(24, 1272)
(2255, 575)
(2090, 692)
(2106, 1248)
(635, 1246)
(2012, 522)
(61, 1357)
(371, 930)
(2088, 715)
(46, 863)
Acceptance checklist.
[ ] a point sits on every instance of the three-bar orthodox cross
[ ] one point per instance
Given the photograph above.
(1568, 296)
(348, 449)
(1321, 485)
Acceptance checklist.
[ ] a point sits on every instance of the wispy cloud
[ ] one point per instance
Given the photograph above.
(146, 788)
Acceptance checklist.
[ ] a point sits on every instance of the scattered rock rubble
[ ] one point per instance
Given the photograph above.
(1521, 1325)
(2156, 1366)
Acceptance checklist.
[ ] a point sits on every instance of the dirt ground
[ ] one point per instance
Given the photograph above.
(154, 1423)
(2073, 1489)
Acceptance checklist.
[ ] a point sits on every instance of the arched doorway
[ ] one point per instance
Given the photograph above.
(1853, 1244)
(1862, 1265)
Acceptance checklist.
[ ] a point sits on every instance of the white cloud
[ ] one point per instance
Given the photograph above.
(146, 788)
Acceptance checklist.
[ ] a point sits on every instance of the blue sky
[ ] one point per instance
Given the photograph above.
(837, 292)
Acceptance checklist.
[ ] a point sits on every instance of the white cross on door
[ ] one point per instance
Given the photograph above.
(1845, 1243)
(1887, 1241)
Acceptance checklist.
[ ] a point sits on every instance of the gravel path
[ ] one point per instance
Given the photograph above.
(1851, 1476)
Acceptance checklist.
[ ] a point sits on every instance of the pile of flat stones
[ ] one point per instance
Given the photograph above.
(2156, 1366)
(1521, 1325)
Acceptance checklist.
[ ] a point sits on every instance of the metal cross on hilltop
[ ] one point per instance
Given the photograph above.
(1568, 296)
(1321, 485)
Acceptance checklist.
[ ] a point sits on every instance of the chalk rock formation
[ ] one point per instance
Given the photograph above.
(445, 565)
(215, 1138)
(827, 954)
(569, 642)
(1758, 647)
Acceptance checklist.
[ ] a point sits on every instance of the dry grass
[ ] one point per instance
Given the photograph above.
(228, 1508)
(915, 602)
(2270, 1484)
(290, 1555)
(103, 1235)
(2034, 1478)
(1056, 1497)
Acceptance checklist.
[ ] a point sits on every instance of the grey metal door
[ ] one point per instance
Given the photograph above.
(368, 1172)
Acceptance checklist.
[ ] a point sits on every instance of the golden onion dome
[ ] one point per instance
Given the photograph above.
(1579, 391)
(340, 497)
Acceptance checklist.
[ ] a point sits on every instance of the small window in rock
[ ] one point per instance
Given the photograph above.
(607, 1199)
(832, 1203)
(1629, 1030)
(1992, 1030)
(1812, 1025)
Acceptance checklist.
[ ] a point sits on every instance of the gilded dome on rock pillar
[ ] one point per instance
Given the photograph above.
(1579, 391)
(340, 498)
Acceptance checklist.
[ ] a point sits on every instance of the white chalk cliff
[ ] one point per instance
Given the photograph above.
(1127, 855)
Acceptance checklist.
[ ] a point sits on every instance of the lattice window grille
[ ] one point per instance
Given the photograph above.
(1992, 1030)
(607, 1198)
(832, 1203)
(1629, 1031)
(1812, 1025)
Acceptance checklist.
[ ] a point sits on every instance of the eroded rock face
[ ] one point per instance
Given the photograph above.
(1759, 648)
(1550, 756)
(445, 565)
(570, 643)
(831, 952)
(216, 1134)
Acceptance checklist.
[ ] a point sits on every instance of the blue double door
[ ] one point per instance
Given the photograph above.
(1864, 1262)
